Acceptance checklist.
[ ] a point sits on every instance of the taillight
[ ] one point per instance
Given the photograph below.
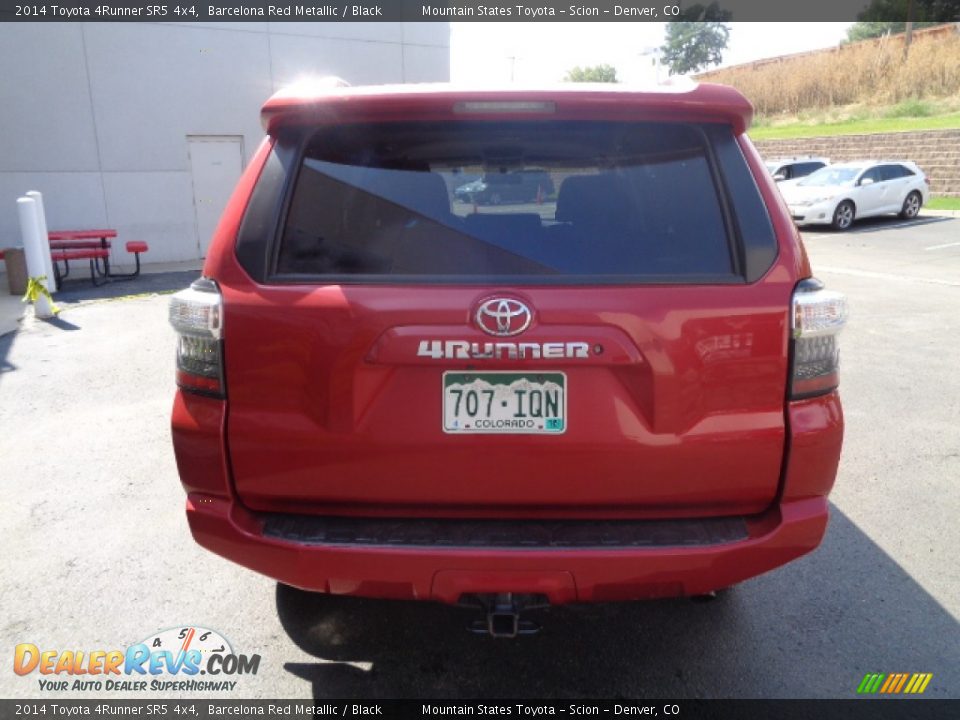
(197, 315)
(818, 317)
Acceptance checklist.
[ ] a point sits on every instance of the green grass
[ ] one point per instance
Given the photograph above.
(891, 122)
(944, 203)
(910, 108)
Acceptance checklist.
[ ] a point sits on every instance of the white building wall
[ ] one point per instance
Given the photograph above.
(96, 115)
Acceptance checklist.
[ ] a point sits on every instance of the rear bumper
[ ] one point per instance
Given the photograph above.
(564, 575)
(792, 527)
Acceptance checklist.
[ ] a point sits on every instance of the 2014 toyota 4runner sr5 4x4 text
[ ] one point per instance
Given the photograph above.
(620, 386)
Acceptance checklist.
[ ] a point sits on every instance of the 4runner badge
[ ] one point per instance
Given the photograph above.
(503, 317)
(466, 350)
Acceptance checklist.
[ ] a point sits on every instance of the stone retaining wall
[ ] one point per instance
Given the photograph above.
(937, 152)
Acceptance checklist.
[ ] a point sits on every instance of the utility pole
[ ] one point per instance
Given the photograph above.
(908, 34)
(654, 54)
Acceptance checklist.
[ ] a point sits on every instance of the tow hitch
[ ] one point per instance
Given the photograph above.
(503, 613)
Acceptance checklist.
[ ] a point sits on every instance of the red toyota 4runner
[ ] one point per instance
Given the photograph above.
(623, 386)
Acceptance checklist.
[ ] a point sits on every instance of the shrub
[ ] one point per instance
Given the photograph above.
(872, 71)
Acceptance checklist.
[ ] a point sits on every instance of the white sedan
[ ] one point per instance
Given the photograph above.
(837, 194)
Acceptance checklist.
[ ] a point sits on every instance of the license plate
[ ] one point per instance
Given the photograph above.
(505, 402)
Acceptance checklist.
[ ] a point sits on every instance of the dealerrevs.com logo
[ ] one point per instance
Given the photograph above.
(184, 659)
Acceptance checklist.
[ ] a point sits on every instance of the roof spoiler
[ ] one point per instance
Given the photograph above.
(331, 100)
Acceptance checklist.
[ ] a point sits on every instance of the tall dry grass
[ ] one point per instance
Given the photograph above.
(869, 72)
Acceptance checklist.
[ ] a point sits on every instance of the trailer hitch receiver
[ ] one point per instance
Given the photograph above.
(503, 614)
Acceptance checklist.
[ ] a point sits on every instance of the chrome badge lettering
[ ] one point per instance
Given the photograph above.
(464, 350)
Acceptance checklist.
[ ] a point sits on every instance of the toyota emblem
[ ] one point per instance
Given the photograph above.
(503, 317)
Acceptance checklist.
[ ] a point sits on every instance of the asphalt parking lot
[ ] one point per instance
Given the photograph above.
(99, 555)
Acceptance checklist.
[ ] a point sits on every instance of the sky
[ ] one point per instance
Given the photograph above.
(534, 53)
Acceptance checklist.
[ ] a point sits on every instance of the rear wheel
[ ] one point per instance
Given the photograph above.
(911, 206)
(843, 216)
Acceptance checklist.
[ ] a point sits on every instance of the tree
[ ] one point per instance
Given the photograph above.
(699, 41)
(882, 16)
(927, 12)
(596, 73)
(867, 30)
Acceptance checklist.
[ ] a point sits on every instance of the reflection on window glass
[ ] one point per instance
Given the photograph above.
(506, 200)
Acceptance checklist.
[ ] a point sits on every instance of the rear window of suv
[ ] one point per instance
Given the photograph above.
(538, 202)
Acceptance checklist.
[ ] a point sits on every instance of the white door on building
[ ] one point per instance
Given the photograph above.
(216, 162)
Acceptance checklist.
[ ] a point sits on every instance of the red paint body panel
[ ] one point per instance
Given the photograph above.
(816, 439)
(694, 423)
(682, 414)
(198, 425)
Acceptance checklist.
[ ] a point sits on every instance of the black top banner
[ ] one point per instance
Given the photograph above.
(190, 709)
(481, 11)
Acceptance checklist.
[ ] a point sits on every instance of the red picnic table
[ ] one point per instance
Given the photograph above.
(70, 236)
(92, 245)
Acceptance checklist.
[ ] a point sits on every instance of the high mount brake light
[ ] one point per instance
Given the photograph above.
(505, 106)
(818, 317)
(197, 315)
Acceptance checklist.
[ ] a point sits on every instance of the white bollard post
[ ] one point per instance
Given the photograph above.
(44, 239)
(32, 249)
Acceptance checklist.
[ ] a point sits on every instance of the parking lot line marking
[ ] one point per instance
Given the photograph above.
(868, 229)
(885, 276)
(945, 245)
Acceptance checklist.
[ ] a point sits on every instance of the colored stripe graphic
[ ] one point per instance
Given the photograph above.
(922, 680)
(903, 680)
(870, 683)
(894, 683)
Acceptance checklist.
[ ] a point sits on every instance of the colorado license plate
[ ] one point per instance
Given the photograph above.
(504, 402)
